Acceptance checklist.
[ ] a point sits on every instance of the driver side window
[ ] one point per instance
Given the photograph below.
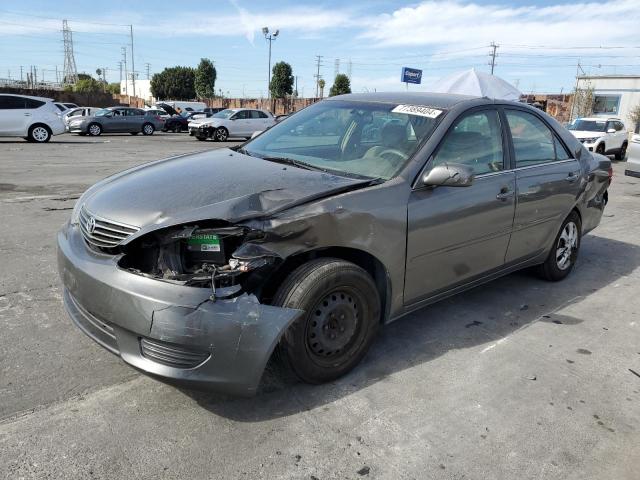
(475, 141)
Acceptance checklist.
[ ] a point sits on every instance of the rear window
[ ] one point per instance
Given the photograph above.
(31, 103)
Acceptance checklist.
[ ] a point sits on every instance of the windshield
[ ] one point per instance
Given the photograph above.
(588, 125)
(102, 112)
(364, 139)
(223, 114)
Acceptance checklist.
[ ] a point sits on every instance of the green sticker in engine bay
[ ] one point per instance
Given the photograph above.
(204, 242)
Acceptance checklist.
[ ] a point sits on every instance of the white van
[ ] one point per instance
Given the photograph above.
(34, 118)
(183, 106)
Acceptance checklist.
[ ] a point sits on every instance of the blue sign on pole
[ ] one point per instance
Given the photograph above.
(411, 75)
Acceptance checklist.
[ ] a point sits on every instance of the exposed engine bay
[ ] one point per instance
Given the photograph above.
(211, 256)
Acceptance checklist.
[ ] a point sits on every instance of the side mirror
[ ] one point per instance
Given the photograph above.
(449, 175)
(611, 130)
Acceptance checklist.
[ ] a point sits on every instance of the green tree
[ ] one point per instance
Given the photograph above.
(175, 83)
(88, 85)
(341, 85)
(205, 79)
(281, 80)
(113, 87)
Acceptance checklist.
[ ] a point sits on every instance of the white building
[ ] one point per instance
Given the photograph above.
(614, 95)
(142, 89)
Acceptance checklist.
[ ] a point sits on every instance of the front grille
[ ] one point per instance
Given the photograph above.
(171, 355)
(101, 232)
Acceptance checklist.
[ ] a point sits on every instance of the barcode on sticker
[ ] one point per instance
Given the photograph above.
(418, 110)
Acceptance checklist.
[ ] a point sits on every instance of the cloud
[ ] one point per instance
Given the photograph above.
(453, 23)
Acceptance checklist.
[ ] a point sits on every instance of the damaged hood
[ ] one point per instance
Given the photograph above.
(219, 184)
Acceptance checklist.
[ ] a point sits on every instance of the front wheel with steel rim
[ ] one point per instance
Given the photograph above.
(600, 149)
(39, 134)
(94, 129)
(148, 129)
(564, 252)
(221, 134)
(341, 316)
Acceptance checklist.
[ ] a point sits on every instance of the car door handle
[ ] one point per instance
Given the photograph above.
(504, 194)
(27, 114)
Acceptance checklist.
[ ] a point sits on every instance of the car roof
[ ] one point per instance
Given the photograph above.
(42, 99)
(438, 100)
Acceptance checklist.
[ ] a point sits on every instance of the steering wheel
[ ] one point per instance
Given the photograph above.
(393, 151)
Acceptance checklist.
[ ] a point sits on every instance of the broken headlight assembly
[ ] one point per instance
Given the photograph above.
(220, 257)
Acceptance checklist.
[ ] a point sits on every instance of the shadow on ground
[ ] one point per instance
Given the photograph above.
(480, 316)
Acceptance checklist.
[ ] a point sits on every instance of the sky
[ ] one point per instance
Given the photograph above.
(540, 43)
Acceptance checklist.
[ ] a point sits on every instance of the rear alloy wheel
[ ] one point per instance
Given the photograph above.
(148, 129)
(622, 153)
(221, 134)
(94, 129)
(39, 134)
(342, 315)
(564, 253)
(177, 128)
(600, 149)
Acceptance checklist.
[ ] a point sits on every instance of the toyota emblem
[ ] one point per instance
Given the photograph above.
(91, 225)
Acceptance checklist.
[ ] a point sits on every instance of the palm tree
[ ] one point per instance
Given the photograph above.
(321, 84)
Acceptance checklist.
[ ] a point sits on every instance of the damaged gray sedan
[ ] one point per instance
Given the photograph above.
(343, 217)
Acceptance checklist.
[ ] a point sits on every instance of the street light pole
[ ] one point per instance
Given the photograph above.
(270, 37)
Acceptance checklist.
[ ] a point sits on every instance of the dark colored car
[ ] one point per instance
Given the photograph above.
(117, 120)
(196, 267)
(177, 123)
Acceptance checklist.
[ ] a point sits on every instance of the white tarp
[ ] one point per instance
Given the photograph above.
(478, 84)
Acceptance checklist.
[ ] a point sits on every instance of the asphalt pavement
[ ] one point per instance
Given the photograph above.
(517, 379)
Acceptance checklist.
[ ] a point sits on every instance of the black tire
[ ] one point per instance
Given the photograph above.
(94, 129)
(148, 129)
(553, 269)
(221, 134)
(39, 133)
(342, 316)
(600, 149)
(622, 153)
(177, 128)
(202, 139)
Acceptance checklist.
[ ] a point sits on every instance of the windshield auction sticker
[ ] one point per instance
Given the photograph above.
(418, 110)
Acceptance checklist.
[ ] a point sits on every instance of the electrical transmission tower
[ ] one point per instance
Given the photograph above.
(492, 54)
(70, 73)
(148, 68)
(336, 67)
(349, 66)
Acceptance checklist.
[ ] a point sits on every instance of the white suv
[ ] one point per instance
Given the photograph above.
(233, 122)
(607, 136)
(34, 118)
